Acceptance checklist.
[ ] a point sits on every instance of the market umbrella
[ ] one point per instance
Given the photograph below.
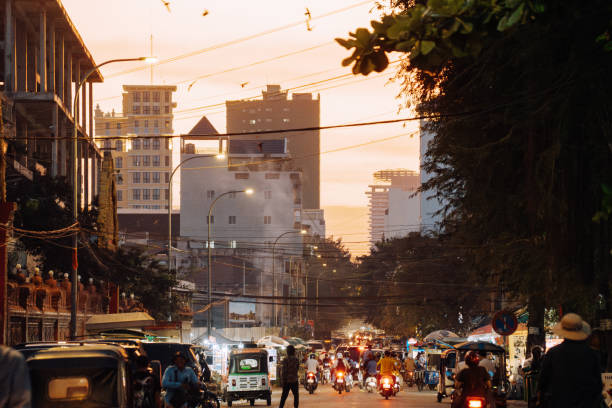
(439, 335)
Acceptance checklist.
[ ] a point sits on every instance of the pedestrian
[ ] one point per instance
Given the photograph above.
(571, 375)
(15, 391)
(289, 377)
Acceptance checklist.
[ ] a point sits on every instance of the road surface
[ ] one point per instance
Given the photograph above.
(326, 397)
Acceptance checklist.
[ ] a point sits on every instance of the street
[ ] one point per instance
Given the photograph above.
(325, 396)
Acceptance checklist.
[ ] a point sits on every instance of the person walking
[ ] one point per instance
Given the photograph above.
(15, 390)
(570, 376)
(289, 378)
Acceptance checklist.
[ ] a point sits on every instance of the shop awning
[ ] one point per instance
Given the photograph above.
(134, 320)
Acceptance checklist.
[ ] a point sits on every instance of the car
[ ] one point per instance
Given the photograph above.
(317, 346)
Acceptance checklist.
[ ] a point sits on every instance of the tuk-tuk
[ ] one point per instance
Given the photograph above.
(452, 360)
(431, 378)
(81, 376)
(247, 376)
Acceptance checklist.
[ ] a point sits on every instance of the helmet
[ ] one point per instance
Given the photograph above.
(339, 355)
(313, 356)
(472, 359)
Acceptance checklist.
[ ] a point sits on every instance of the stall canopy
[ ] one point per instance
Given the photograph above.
(110, 321)
(439, 335)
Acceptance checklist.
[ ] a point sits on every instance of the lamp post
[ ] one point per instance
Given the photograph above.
(248, 191)
(274, 272)
(75, 188)
(202, 156)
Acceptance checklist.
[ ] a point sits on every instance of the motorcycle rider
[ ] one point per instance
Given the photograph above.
(474, 381)
(312, 366)
(370, 368)
(339, 365)
(386, 366)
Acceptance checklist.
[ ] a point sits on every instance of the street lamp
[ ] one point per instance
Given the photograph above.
(303, 232)
(219, 156)
(248, 191)
(75, 191)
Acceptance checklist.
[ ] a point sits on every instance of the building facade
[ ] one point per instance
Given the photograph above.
(256, 241)
(143, 159)
(277, 111)
(394, 204)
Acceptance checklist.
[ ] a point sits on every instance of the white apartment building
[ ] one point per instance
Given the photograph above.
(429, 204)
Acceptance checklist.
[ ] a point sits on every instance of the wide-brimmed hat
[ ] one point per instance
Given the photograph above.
(572, 327)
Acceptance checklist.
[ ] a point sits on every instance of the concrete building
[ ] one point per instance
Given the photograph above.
(277, 111)
(44, 60)
(143, 162)
(245, 227)
(394, 211)
(430, 205)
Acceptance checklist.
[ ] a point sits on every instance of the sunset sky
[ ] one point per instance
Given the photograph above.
(122, 29)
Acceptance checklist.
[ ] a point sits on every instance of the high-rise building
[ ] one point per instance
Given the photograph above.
(278, 111)
(143, 163)
(394, 206)
(430, 205)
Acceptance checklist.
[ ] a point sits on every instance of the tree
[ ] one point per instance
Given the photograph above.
(517, 94)
(421, 284)
(43, 205)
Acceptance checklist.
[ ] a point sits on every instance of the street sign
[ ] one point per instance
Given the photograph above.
(504, 323)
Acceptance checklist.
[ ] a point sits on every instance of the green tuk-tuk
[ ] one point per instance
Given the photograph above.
(247, 376)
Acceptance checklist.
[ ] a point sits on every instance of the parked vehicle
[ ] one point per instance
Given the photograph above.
(247, 377)
(81, 376)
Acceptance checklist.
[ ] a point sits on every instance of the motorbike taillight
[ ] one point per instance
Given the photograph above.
(475, 402)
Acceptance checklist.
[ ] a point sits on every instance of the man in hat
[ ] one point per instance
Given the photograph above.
(571, 376)
(178, 380)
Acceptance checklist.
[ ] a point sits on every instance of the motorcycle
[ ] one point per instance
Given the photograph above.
(311, 382)
(475, 402)
(387, 386)
(326, 377)
(409, 378)
(339, 382)
(371, 383)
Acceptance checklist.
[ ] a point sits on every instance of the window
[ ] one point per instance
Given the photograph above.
(166, 109)
(156, 194)
(136, 144)
(268, 109)
(136, 178)
(107, 144)
(268, 195)
(146, 124)
(119, 195)
(166, 194)
(146, 194)
(68, 389)
(146, 143)
(167, 123)
(136, 96)
(166, 143)
(156, 177)
(146, 110)
(156, 144)
(119, 178)
(166, 177)
(156, 124)
(146, 161)
(268, 120)
(119, 145)
(156, 110)
(119, 162)
(233, 244)
(136, 161)
(146, 177)
(267, 219)
(118, 126)
(136, 109)
(136, 194)
(167, 96)
(136, 125)
(156, 161)
(107, 125)
(167, 160)
(155, 96)
(252, 122)
(232, 219)
(286, 120)
(241, 176)
(286, 109)
(146, 97)
(212, 219)
(210, 194)
(272, 176)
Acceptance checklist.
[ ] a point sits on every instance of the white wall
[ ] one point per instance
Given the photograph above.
(403, 213)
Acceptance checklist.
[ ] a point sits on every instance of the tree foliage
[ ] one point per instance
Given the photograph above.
(43, 205)
(421, 285)
(518, 95)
